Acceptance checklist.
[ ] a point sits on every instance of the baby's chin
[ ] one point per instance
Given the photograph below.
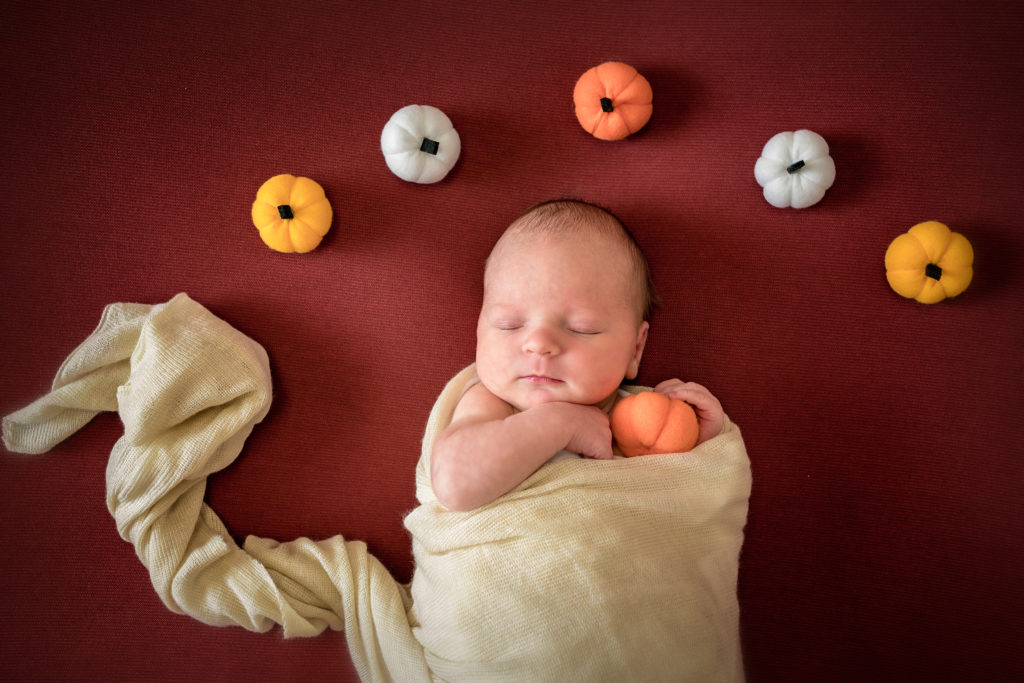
(531, 399)
(523, 398)
(535, 399)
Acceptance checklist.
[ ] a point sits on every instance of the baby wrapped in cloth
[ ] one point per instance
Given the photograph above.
(589, 570)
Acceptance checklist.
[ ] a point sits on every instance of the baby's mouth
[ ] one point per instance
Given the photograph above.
(541, 379)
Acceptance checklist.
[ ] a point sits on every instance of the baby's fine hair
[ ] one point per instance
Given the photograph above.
(576, 215)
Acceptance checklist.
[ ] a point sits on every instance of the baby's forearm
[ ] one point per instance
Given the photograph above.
(474, 464)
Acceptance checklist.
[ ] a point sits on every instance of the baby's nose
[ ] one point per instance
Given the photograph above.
(541, 341)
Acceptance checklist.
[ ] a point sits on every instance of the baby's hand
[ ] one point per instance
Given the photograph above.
(590, 432)
(708, 408)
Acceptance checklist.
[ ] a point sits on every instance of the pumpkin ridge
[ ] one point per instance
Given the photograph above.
(773, 169)
(626, 86)
(298, 206)
(604, 73)
(626, 119)
(277, 188)
(948, 235)
(274, 231)
(297, 225)
(405, 129)
(304, 236)
(955, 267)
(660, 406)
(304, 195)
(896, 256)
(931, 291)
(921, 244)
(945, 250)
(947, 238)
(809, 181)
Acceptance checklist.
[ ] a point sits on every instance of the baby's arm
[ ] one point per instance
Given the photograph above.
(708, 408)
(489, 448)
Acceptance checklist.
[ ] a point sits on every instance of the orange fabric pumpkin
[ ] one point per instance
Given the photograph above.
(649, 423)
(612, 101)
(292, 214)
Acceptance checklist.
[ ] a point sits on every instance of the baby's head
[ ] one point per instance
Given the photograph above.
(571, 218)
(567, 294)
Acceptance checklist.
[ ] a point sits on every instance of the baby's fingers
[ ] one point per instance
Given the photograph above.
(592, 434)
(690, 392)
(708, 408)
(597, 449)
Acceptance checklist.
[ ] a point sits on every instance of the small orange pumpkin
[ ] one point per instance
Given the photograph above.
(292, 214)
(650, 422)
(929, 263)
(612, 100)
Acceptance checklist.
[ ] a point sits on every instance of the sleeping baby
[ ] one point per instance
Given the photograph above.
(528, 567)
(567, 297)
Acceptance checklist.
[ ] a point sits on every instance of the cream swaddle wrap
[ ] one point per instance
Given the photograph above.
(591, 571)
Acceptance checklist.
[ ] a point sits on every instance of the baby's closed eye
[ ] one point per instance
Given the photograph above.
(584, 327)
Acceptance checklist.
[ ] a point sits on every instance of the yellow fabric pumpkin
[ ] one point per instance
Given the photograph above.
(929, 263)
(292, 214)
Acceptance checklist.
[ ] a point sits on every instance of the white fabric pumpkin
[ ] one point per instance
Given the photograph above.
(795, 169)
(420, 144)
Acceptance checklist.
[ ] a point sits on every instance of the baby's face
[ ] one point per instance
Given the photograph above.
(559, 321)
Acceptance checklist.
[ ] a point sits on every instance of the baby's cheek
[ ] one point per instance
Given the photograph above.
(488, 369)
(602, 389)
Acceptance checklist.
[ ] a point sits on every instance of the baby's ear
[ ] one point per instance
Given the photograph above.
(638, 350)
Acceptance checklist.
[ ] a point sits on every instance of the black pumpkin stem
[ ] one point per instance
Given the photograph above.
(286, 212)
(933, 271)
(429, 146)
(794, 167)
(606, 105)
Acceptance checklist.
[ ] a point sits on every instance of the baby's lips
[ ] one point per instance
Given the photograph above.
(542, 379)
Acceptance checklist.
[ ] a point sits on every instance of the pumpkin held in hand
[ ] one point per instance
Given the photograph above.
(795, 169)
(292, 214)
(929, 263)
(612, 101)
(649, 423)
(420, 144)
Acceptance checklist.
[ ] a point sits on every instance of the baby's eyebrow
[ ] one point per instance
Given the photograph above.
(583, 312)
(499, 308)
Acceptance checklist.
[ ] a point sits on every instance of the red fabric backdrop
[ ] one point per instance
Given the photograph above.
(884, 540)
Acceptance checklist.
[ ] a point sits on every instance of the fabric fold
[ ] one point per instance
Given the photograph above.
(85, 384)
(620, 570)
(189, 389)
